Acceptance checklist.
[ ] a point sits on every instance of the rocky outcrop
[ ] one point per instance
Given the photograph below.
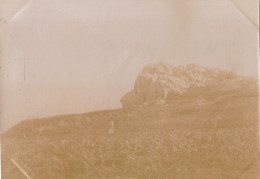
(158, 80)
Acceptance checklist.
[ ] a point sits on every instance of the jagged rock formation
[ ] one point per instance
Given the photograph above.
(158, 80)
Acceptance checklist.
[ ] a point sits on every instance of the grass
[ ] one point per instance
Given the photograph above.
(218, 139)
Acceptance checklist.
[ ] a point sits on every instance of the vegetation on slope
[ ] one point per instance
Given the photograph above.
(209, 133)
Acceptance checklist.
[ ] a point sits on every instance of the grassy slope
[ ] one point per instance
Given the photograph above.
(210, 132)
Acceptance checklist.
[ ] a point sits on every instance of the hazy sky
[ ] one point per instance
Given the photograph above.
(84, 55)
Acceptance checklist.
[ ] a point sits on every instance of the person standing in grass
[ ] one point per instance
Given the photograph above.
(112, 127)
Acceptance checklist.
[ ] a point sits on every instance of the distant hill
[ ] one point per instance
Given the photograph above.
(157, 80)
(205, 128)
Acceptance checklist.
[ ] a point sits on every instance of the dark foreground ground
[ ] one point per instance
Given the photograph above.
(207, 133)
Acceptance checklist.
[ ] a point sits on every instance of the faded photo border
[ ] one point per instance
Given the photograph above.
(129, 89)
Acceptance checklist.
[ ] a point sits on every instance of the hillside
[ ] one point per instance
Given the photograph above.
(210, 131)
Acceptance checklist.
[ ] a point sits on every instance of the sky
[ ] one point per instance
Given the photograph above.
(63, 57)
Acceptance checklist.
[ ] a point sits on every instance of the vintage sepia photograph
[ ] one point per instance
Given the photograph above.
(129, 89)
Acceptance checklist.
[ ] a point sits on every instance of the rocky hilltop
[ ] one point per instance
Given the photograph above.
(158, 80)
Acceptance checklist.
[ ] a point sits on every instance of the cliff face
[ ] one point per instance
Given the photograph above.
(157, 81)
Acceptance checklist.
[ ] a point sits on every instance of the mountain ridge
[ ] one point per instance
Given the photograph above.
(157, 80)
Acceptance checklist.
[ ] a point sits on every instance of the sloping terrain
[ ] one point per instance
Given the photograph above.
(208, 132)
